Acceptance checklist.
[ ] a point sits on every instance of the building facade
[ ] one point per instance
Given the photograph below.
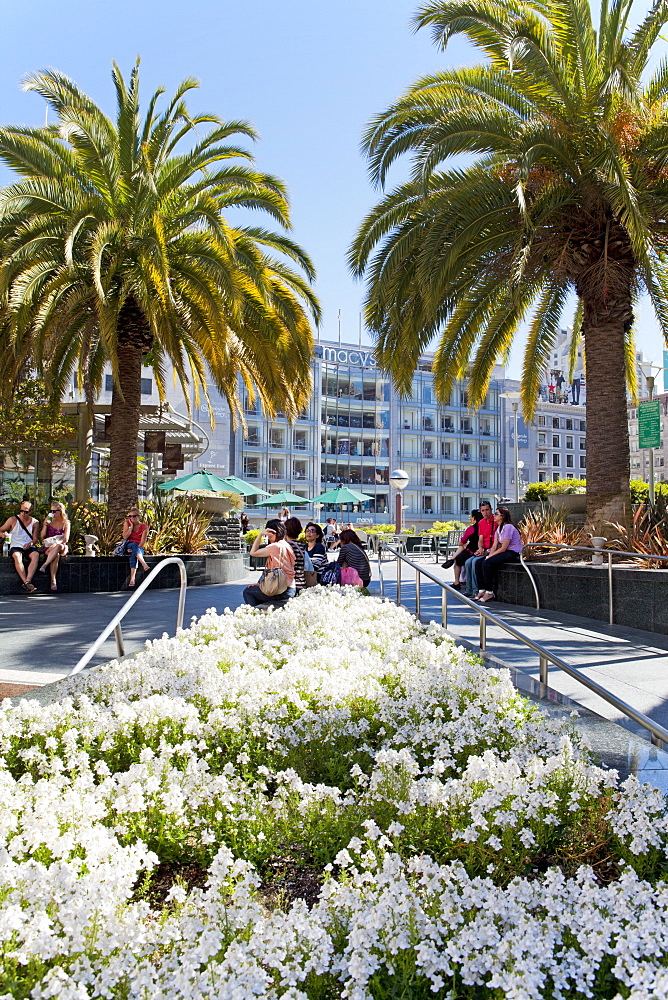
(356, 429)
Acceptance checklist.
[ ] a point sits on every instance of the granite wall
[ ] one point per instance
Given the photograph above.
(639, 595)
(103, 574)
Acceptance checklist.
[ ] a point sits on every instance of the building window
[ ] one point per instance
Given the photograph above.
(569, 461)
(428, 423)
(542, 421)
(556, 441)
(583, 461)
(276, 438)
(427, 449)
(445, 449)
(569, 424)
(542, 438)
(555, 422)
(583, 444)
(299, 440)
(542, 477)
(276, 468)
(251, 468)
(252, 437)
(429, 477)
(555, 477)
(299, 469)
(542, 458)
(556, 461)
(446, 477)
(583, 425)
(446, 505)
(464, 478)
(466, 426)
(466, 453)
(569, 442)
(485, 428)
(427, 505)
(446, 423)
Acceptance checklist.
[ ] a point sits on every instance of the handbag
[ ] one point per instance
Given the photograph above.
(273, 581)
(120, 549)
(331, 574)
(350, 577)
(310, 575)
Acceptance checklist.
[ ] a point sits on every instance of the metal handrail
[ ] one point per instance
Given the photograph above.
(594, 552)
(658, 735)
(115, 623)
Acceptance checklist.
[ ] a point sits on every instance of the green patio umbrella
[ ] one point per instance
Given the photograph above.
(243, 488)
(278, 499)
(342, 494)
(201, 480)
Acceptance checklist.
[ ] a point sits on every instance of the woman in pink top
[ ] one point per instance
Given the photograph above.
(278, 553)
(55, 535)
(134, 533)
(506, 547)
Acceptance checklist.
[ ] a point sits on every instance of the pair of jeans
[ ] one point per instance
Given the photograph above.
(134, 550)
(489, 568)
(473, 582)
(254, 597)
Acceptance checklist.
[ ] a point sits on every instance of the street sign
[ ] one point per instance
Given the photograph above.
(649, 424)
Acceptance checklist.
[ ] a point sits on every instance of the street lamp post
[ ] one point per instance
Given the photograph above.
(514, 400)
(399, 482)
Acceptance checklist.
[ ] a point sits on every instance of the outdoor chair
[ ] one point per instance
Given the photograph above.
(423, 547)
(449, 543)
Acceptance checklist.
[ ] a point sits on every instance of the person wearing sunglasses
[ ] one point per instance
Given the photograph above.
(134, 533)
(315, 547)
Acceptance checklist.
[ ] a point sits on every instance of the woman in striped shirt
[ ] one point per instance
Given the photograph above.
(352, 554)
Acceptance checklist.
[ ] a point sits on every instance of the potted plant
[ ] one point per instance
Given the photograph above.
(569, 496)
(208, 502)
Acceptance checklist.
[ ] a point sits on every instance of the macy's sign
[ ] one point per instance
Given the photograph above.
(343, 356)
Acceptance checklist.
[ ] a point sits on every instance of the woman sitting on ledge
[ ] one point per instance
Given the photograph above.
(468, 547)
(506, 547)
(55, 535)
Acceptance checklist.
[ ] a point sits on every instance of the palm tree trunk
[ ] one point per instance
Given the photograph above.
(608, 464)
(125, 410)
(134, 339)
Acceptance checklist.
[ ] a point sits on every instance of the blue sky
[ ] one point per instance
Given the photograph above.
(308, 75)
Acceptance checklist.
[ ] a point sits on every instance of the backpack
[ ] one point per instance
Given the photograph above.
(331, 574)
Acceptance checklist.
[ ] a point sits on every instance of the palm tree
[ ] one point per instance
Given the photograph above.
(115, 249)
(563, 189)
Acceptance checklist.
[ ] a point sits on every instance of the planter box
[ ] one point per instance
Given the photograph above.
(105, 574)
(639, 595)
(571, 503)
(211, 505)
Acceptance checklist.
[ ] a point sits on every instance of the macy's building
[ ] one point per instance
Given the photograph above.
(356, 429)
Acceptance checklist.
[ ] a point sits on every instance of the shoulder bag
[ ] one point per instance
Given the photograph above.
(273, 581)
(310, 575)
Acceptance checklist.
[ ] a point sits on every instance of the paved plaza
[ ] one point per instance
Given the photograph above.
(43, 637)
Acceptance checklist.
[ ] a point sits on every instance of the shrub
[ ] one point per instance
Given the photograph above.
(535, 492)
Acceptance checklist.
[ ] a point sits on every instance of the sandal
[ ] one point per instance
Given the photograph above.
(54, 585)
(487, 596)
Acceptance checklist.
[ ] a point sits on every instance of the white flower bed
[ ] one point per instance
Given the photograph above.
(465, 844)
